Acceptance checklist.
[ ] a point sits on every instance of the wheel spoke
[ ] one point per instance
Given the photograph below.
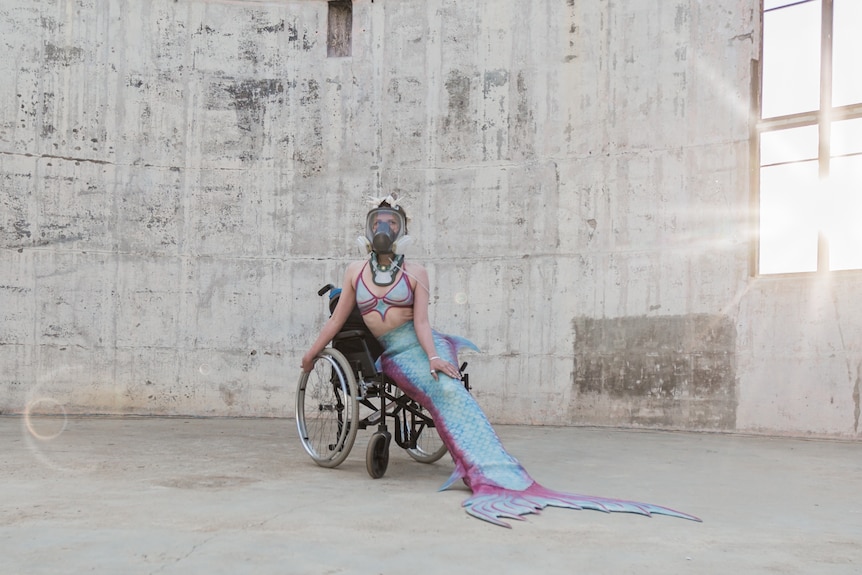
(326, 408)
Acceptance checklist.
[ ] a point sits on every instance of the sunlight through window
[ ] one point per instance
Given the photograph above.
(846, 53)
(810, 186)
(843, 228)
(791, 62)
(789, 224)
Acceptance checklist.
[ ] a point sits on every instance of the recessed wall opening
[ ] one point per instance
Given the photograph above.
(339, 29)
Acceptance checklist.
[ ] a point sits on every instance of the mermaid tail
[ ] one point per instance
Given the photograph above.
(501, 487)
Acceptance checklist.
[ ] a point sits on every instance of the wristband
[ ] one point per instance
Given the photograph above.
(430, 359)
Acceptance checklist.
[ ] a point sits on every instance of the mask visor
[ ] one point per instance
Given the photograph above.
(383, 228)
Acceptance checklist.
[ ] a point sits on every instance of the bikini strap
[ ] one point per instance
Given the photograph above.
(359, 275)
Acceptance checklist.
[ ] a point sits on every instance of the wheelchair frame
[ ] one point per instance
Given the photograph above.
(344, 379)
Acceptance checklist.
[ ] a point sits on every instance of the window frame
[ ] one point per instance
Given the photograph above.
(823, 118)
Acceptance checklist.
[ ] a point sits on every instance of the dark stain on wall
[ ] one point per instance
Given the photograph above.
(310, 92)
(252, 94)
(249, 98)
(22, 229)
(459, 124)
(273, 28)
(63, 55)
(677, 371)
(522, 125)
(458, 88)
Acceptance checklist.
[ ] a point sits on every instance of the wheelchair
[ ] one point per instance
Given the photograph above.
(344, 393)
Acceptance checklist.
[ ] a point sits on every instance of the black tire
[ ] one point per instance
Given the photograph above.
(327, 409)
(377, 454)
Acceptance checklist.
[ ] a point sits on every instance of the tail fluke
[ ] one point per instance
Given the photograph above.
(492, 503)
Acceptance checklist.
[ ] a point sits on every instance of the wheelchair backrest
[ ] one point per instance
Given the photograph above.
(355, 340)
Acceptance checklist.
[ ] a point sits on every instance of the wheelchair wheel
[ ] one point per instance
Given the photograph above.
(429, 447)
(377, 454)
(327, 411)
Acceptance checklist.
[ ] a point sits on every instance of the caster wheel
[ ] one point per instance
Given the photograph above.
(377, 454)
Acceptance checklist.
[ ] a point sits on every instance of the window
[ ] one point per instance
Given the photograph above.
(809, 137)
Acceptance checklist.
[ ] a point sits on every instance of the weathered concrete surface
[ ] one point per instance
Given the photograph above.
(153, 495)
(178, 178)
(678, 368)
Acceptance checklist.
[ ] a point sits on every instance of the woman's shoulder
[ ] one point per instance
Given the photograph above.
(353, 271)
(416, 271)
(414, 267)
(356, 265)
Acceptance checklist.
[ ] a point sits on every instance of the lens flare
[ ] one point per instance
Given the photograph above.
(41, 421)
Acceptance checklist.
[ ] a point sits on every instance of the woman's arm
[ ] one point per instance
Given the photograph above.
(422, 325)
(336, 321)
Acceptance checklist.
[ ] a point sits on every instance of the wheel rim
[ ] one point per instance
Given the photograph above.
(326, 409)
(429, 446)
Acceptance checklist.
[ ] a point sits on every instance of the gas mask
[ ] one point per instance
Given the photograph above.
(384, 228)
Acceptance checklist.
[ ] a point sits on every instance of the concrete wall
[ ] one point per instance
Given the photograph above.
(179, 177)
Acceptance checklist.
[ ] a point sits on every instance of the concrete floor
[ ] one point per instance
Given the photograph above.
(233, 496)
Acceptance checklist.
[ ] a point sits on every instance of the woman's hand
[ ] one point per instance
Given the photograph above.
(439, 365)
(308, 362)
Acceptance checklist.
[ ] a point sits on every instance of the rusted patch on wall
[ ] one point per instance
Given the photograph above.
(674, 371)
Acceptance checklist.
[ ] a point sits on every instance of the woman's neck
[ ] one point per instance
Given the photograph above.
(385, 260)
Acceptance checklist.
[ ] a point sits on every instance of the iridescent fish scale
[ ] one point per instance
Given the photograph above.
(501, 487)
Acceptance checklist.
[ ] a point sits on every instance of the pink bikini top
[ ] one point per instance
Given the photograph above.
(399, 295)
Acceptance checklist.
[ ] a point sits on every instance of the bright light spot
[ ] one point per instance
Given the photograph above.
(843, 213)
(790, 218)
(41, 421)
(791, 145)
(847, 45)
(791, 61)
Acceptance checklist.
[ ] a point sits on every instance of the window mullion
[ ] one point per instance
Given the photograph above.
(825, 125)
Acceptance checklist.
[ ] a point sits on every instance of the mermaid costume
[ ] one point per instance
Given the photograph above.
(501, 487)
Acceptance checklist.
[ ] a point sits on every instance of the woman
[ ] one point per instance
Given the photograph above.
(393, 297)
